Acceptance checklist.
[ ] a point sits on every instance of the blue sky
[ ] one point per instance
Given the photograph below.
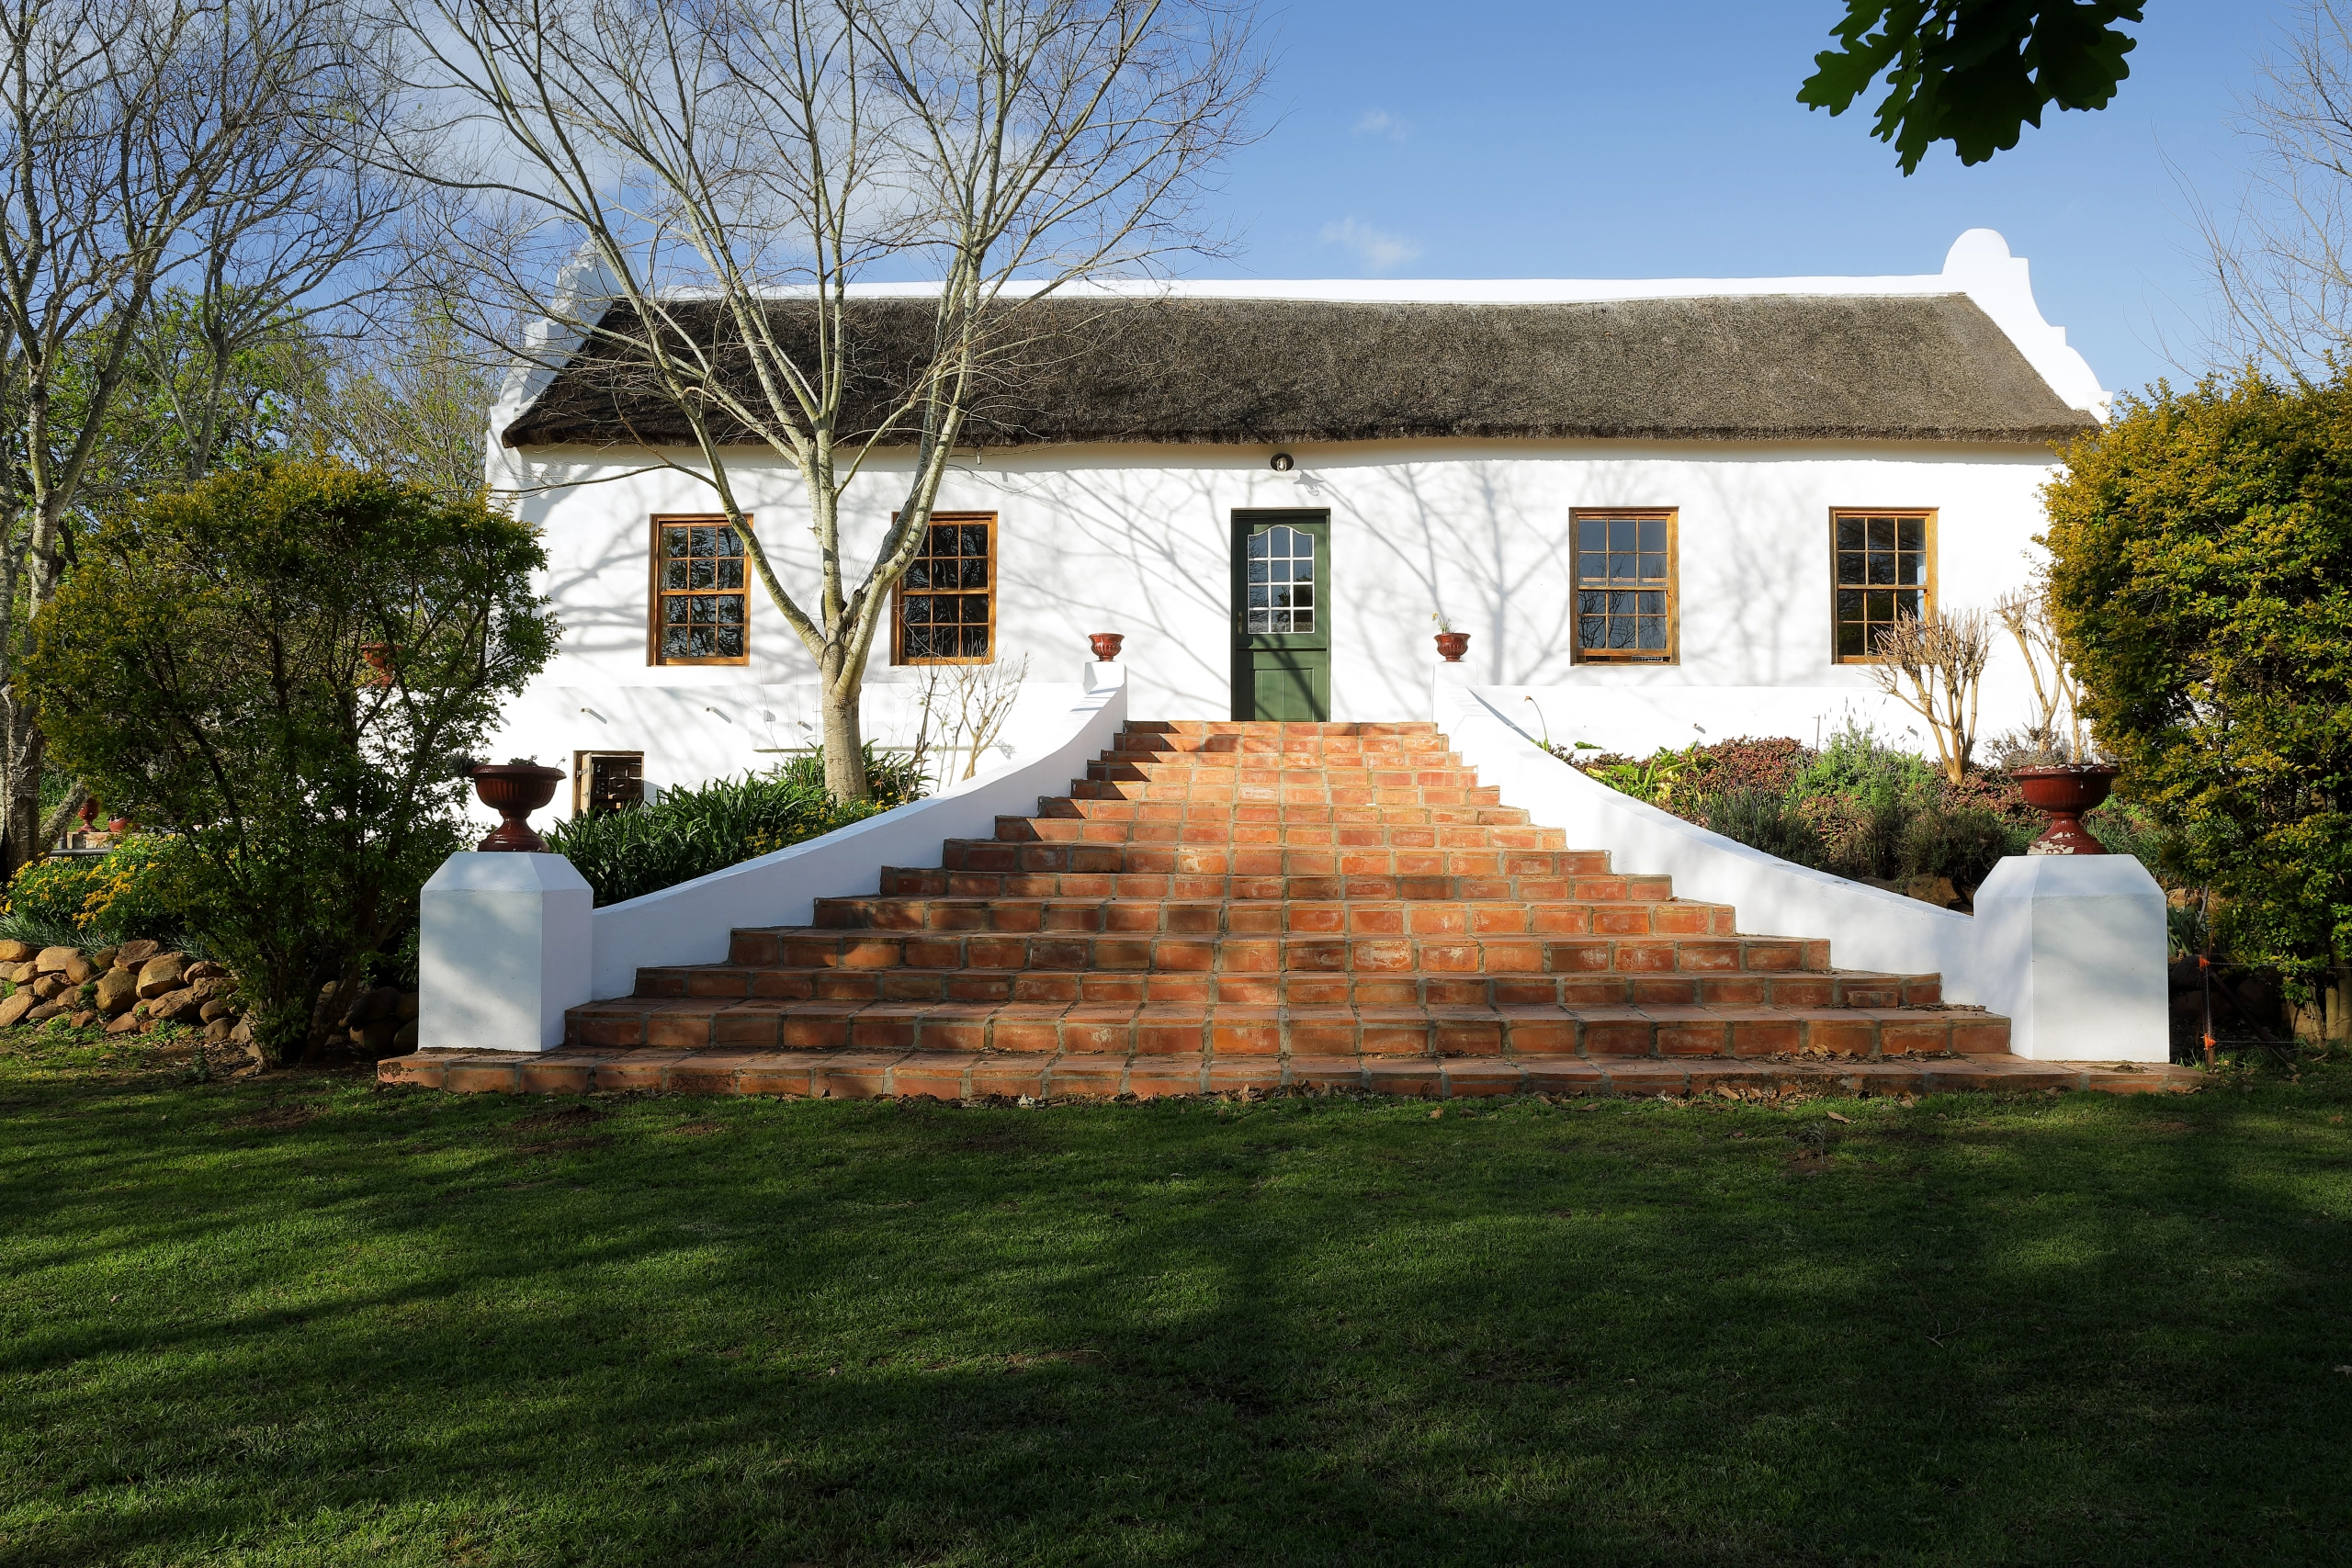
(1662, 138)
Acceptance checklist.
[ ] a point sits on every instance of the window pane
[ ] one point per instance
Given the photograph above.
(1911, 568)
(1881, 567)
(1881, 606)
(918, 610)
(975, 609)
(698, 642)
(1625, 534)
(1849, 639)
(1302, 595)
(1278, 539)
(976, 642)
(1621, 567)
(1591, 603)
(1912, 532)
(1258, 545)
(730, 642)
(1850, 605)
(1653, 567)
(1654, 535)
(1592, 533)
(674, 611)
(1620, 631)
(1591, 631)
(916, 644)
(674, 574)
(731, 611)
(1591, 567)
(1882, 532)
(1849, 566)
(1257, 598)
(1652, 632)
(673, 541)
(1907, 604)
(1257, 572)
(729, 544)
(918, 574)
(1621, 603)
(1261, 620)
(1850, 533)
(731, 573)
(976, 539)
(975, 573)
(674, 643)
(703, 575)
(1653, 603)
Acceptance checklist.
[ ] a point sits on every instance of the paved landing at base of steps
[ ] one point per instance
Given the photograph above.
(959, 1076)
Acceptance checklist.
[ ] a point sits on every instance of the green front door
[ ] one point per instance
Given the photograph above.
(1282, 616)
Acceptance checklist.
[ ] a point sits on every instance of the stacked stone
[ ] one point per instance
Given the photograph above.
(132, 988)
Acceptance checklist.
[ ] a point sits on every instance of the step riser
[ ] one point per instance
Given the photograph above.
(727, 985)
(1303, 835)
(1265, 955)
(1286, 816)
(762, 1029)
(1205, 860)
(1212, 918)
(1595, 888)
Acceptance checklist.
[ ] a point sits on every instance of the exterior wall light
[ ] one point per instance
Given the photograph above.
(1281, 463)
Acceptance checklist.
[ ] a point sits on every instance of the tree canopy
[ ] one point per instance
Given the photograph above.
(1972, 73)
(2201, 583)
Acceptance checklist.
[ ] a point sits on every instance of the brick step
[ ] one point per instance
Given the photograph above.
(1268, 860)
(1064, 987)
(1132, 743)
(1277, 728)
(1265, 917)
(1300, 835)
(1227, 1030)
(1276, 811)
(979, 1076)
(1592, 883)
(1246, 772)
(1239, 764)
(1266, 794)
(807, 948)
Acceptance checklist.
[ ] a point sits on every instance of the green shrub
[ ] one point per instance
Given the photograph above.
(1963, 841)
(141, 888)
(692, 832)
(1762, 820)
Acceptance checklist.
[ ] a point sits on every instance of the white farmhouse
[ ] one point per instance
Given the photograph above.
(1663, 509)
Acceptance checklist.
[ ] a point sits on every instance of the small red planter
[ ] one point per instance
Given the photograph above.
(1106, 646)
(378, 656)
(1453, 646)
(2062, 794)
(515, 790)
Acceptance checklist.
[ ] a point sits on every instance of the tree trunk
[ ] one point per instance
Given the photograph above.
(845, 741)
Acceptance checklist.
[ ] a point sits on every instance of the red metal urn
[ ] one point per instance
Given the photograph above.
(515, 790)
(1106, 646)
(2062, 794)
(1453, 646)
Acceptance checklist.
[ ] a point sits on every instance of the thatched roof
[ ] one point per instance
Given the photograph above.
(1757, 368)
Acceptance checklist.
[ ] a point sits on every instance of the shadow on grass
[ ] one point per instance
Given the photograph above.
(698, 1331)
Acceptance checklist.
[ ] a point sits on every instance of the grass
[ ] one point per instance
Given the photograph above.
(296, 1319)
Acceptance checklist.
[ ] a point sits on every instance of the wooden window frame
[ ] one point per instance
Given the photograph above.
(1926, 586)
(899, 593)
(653, 656)
(1672, 654)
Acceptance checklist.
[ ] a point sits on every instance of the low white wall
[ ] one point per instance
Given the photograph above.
(2095, 994)
(690, 923)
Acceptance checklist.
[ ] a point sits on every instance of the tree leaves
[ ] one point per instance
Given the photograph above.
(1972, 73)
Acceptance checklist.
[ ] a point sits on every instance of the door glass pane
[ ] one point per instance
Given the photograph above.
(1287, 604)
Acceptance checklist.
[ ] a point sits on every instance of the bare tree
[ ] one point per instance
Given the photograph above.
(2024, 612)
(688, 190)
(1935, 666)
(2281, 255)
(194, 146)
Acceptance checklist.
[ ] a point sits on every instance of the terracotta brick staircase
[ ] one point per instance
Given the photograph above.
(1226, 907)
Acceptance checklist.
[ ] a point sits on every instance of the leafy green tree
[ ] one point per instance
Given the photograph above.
(208, 667)
(1972, 73)
(2201, 585)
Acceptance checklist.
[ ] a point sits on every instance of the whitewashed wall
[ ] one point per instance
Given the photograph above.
(1135, 540)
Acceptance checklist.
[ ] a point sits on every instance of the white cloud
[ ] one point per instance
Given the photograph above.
(1376, 250)
(1380, 122)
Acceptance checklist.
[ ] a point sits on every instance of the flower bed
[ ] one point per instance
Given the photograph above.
(1855, 807)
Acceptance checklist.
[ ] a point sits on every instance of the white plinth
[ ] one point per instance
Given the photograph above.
(2071, 948)
(505, 947)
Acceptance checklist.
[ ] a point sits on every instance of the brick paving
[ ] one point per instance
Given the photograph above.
(1218, 907)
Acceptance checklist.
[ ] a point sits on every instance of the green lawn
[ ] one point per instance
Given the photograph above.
(303, 1320)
